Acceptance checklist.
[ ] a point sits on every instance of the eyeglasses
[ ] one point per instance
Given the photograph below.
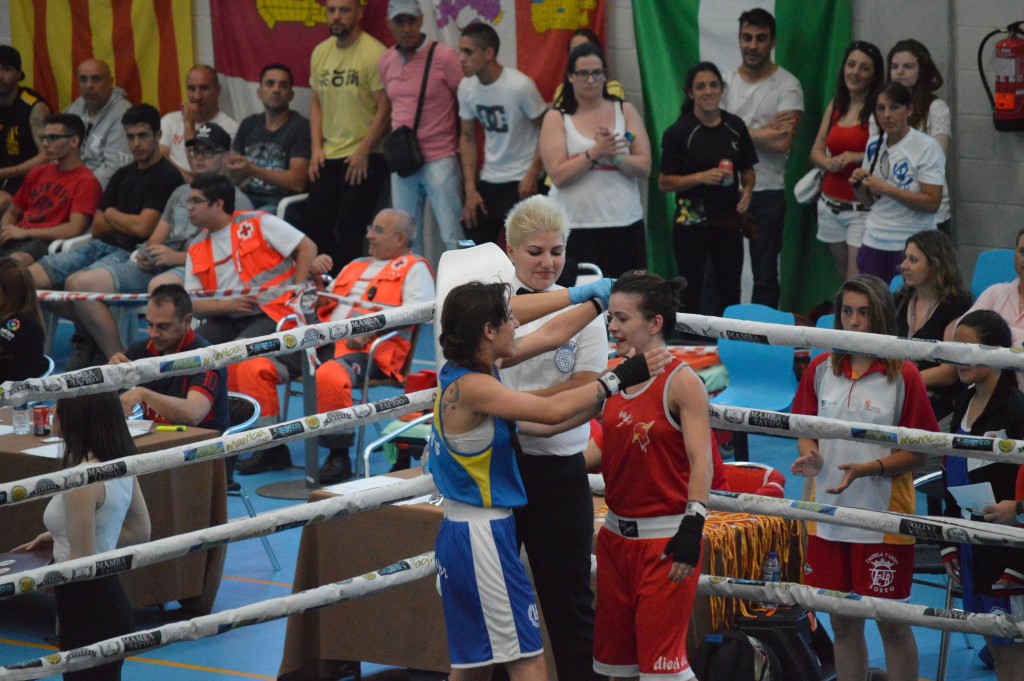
(196, 200)
(596, 76)
(196, 152)
(376, 229)
(50, 139)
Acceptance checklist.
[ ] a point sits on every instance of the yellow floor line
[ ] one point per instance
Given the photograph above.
(143, 660)
(256, 581)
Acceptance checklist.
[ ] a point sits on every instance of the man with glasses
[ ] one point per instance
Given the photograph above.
(161, 258)
(390, 276)
(402, 71)
(509, 107)
(57, 199)
(770, 101)
(22, 112)
(101, 105)
(127, 215)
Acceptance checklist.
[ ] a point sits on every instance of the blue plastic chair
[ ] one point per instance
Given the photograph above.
(896, 284)
(993, 267)
(760, 376)
(826, 321)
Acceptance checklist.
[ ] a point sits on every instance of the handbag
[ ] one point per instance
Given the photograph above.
(809, 187)
(401, 150)
(744, 223)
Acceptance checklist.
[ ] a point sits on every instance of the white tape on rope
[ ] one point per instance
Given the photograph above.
(340, 420)
(169, 548)
(852, 605)
(130, 374)
(1004, 450)
(268, 291)
(871, 344)
(931, 528)
(208, 626)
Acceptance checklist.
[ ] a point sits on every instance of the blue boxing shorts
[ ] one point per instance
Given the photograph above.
(489, 610)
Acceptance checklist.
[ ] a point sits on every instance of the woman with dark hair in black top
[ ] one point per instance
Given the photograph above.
(21, 329)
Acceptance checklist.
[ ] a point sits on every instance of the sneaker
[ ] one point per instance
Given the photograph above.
(274, 459)
(337, 468)
(83, 351)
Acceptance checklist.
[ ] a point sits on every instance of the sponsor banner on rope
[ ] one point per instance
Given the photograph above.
(112, 566)
(768, 419)
(338, 330)
(400, 566)
(286, 430)
(106, 472)
(216, 354)
(204, 451)
(249, 439)
(369, 324)
(144, 641)
(747, 337)
(974, 444)
(181, 364)
(874, 435)
(78, 379)
(312, 337)
(921, 530)
(262, 347)
(6, 589)
(391, 403)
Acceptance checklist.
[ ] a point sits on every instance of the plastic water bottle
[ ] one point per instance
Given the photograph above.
(22, 420)
(771, 571)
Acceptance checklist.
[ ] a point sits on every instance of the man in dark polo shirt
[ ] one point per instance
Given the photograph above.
(198, 399)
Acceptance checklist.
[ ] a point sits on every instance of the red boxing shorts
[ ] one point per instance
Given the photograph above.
(879, 570)
(641, 619)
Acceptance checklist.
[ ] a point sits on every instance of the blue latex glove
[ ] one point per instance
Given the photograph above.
(600, 289)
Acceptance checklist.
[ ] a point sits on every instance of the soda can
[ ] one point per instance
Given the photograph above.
(725, 165)
(40, 421)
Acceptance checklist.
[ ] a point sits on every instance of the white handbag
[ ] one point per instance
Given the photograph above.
(809, 187)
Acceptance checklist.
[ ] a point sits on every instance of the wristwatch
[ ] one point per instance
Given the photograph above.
(1020, 512)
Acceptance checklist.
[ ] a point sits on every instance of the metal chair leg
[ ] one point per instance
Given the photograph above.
(252, 514)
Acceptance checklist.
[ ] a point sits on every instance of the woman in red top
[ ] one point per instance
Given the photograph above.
(839, 149)
(657, 468)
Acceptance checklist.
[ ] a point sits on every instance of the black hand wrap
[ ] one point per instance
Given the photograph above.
(684, 546)
(631, 372)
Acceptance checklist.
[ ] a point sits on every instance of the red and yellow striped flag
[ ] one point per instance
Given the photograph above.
(147, 43)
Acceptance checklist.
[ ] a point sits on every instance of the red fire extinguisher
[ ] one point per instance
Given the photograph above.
(1008, 100)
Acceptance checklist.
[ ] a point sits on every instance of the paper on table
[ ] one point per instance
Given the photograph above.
(6, 430)
(362, 484)
(137, 427)
(976, 496)
(46, 451)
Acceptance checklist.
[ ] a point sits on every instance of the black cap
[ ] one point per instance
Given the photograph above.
(211, 135)
(11, 57)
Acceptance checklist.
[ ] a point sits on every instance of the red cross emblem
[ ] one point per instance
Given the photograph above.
(245, 230)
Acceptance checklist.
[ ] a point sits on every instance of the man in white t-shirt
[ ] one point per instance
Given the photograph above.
(509, 107)
(178, 127)
(770, 101)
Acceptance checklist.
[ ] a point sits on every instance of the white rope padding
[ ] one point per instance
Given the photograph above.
(1003, 450)
(870, 344)
(340, 420)
(130, 374)
(160, 550)
(268, 291)
(866, 607)
(930, 528)
(208, 626)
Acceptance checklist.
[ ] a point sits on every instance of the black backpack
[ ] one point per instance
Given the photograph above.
(733, 656)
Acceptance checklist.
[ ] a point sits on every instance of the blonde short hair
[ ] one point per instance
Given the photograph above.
(535, 214)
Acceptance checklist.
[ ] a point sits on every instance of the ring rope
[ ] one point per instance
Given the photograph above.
(208, 626)
(869, 344)
(273, 291)
(129, 374)
(160, 550)
(866, 607)
(1004, 450)
(339, 420)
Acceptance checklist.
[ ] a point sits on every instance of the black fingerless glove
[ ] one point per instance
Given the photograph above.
(631, 372)
(684, 546)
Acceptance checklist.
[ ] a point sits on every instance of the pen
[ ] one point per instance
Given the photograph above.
(171, 429)
(975, 511)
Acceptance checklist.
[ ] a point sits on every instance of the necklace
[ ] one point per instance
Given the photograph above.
(913, 327)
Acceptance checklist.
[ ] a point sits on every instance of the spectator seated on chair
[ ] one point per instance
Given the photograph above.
(21, 329)
(57, 199)
(196, 399)
(128, 213)
(390, 276)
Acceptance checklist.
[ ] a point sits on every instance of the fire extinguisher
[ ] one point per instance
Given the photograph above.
(1008, 101)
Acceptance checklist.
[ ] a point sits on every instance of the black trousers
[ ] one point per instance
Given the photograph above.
(693, 246)
(557, 528)
(338, 213)
(499, 198)
(614, 249)
(89, 612)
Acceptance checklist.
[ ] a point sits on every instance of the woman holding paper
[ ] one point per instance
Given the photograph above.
(93, 519)
(992, 406)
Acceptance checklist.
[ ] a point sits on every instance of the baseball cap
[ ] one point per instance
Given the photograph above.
(11, 57)
(398, 7)
(212, 136)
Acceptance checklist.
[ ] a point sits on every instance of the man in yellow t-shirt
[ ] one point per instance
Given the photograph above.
(348, 118)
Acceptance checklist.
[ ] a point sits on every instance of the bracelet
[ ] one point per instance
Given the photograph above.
(586, 152)
(881, 468)
(598, 305)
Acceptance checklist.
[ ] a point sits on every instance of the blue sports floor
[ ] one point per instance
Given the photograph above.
(255, 652)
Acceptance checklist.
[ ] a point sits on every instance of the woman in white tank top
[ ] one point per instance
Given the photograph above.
(92, 519)
(595, 150)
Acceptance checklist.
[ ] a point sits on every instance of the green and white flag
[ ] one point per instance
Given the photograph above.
(672, 36)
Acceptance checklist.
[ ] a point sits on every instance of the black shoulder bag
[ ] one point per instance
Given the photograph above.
(401, 151)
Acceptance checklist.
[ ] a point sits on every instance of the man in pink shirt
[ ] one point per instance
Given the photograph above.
(401, 71)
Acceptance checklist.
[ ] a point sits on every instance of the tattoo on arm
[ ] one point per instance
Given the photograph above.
(36, 120)
(451, 397)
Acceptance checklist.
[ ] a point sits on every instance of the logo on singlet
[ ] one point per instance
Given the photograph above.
(641, 435)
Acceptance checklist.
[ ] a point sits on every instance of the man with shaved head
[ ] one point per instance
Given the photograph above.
(203, 106)
(100, 106)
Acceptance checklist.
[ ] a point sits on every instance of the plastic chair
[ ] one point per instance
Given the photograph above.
(288, 201)
(760, 376)
(896, 284)
(825, 321)
(993, 267)
(749, 477)
(242, 413)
